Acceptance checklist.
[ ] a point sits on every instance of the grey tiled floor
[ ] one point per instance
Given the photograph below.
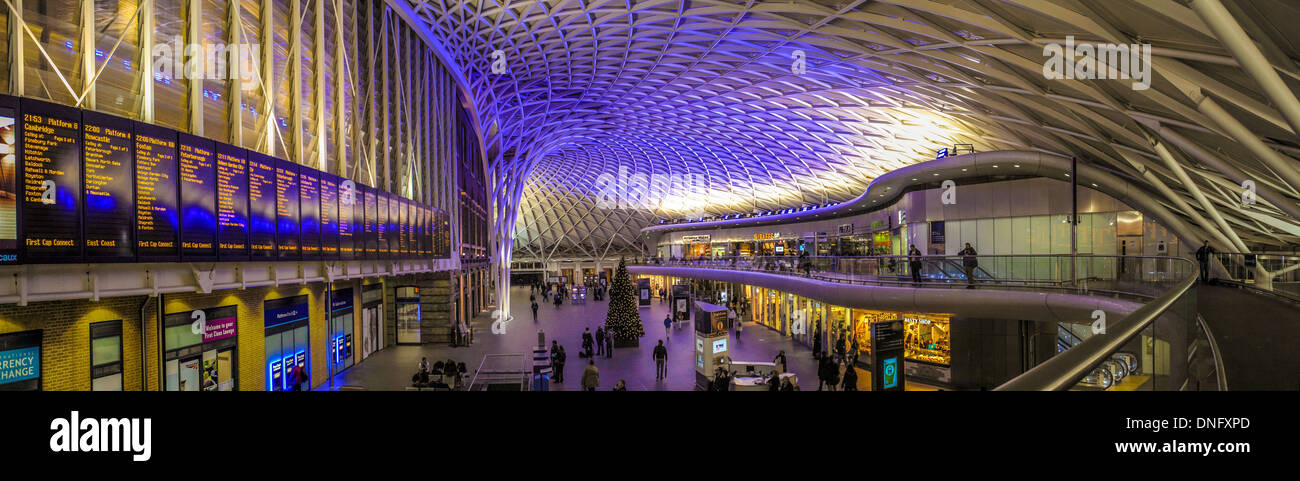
(391, 368)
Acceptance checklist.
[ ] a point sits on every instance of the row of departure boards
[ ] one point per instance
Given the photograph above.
(82, 186)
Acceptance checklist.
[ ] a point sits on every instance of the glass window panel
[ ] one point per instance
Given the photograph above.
(105, 350)
(112, 382)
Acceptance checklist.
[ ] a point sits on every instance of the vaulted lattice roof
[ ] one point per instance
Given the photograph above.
(673, 88)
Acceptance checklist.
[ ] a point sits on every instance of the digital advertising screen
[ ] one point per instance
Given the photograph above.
(348, 213)
(51, 152)
(426, 241)
(309, 211)
(286, 210)
(232, 203)
(109, 191)
(197, 159)
(8, 180)
(370, 226)
(157, 211)
(329, 216)
(261, 205)
(395, 235)
(382, 229)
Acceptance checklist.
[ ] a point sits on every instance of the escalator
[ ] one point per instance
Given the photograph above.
(1065, 339)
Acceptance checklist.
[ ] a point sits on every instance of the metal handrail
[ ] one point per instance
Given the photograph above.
(1220, 374)
(1064, 370)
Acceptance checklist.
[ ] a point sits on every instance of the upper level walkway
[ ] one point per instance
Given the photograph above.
(1134, 291)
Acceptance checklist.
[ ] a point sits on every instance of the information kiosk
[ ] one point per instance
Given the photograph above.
(712, 342)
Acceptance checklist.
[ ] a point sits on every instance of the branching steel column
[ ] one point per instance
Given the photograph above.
(295, 81)
(145, 75)
(318, 84)
(194, 40)
(1200, 198)
(268, 135)
(17, 60)
(1285, 168)
(86, 32)
(1232, 36)
(384, 88)
(235, 66)
(340, 161)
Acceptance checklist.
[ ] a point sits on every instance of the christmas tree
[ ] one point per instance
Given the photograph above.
(623, 319)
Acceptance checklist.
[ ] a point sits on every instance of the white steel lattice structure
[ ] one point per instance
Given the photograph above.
(587, 87)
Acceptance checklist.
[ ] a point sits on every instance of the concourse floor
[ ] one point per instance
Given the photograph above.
(1257, 335)
(392, 368)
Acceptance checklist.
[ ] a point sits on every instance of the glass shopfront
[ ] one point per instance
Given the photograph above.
(372, 319)
(408, 315)
(287, 343)
(926, 338)
(339, 339)
(199, 349)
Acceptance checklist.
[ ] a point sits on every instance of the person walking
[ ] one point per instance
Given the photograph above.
(591, 376)
(532, 298)
(740, 324)
(534, 311)
(817, 340)
(969, 263)
(557, 361)
(779, 360)
(804, 264)
(587, 342)
(661, 359)
(600, 341)
(609, 343)
(731, 316)
(620, 386)
(1203, 255)
(914, 263)
(668, 324)
(850, 378)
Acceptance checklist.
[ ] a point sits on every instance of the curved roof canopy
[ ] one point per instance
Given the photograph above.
(718, 107)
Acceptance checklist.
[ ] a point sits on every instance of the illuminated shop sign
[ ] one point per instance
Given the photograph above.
(846, 228)
(20, 364)
(696, 239)
(768, 236)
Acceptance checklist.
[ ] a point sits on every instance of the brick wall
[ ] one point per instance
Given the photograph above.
(65, 343)
(65, 353)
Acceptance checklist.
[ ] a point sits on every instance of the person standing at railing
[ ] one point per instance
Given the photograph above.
(1203, 256)
(914, 263)
(969, 263)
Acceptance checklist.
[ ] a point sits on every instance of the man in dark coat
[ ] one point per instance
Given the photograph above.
(969, 263)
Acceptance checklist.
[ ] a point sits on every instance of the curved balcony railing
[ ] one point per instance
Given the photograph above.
(1130, 353)
(1130, 276)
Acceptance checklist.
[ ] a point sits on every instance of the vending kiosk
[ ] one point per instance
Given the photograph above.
(712, 342)
(681, 302)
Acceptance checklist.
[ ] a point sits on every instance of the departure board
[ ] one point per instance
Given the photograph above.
(412, 229)
(403, 229)
(109, 192)
(347, 214)
(382, 229)
(157, 219)
(261, 205)
(309, 211)
(198, 180)
(286, 210)
(51, 153)
(413, 237)
(370, 228)
(8, 180)
(232, 203)
(394, 224)
(426, 232)
(329, 216)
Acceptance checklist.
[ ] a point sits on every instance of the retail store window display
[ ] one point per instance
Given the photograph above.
(926, 338)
